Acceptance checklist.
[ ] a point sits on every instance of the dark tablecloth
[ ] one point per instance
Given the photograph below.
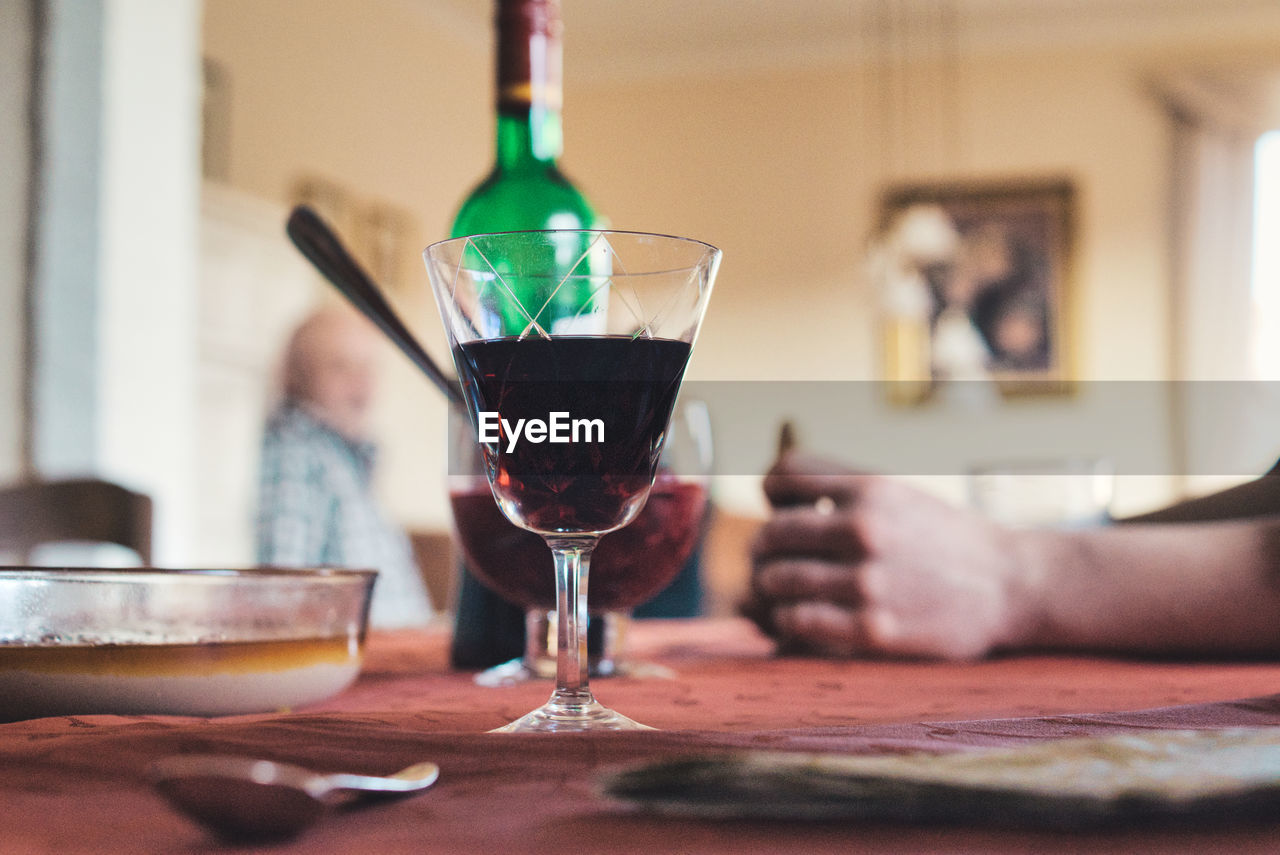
(76, 784)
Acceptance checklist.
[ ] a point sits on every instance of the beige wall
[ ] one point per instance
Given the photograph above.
(772, 170)
(390, 100)
(780, 168)
(782, 171)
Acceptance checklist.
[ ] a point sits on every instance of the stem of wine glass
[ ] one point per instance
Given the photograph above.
(571, 706)
(572, 562)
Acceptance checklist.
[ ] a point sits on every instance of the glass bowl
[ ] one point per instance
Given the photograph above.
(185, 642)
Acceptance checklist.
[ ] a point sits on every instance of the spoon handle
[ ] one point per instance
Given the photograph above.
(417, 777)
(315, 240)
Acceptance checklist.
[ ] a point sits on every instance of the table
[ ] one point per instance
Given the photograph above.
(76, 784)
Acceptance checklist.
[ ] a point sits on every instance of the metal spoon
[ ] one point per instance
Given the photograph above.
(315, 240)
(241, 798)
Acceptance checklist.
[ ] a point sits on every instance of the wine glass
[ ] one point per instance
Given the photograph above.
(629, 567)
(571, 346)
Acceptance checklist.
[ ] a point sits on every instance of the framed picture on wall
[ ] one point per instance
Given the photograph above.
(215, 121)
(377, 232)
(975, 285)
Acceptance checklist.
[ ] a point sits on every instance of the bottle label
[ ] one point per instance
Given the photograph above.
(524, 93)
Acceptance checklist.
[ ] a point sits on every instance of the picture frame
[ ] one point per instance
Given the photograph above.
(976, 285)
(215, 121)
(377, 232)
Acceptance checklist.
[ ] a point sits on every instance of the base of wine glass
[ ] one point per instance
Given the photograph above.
(542, 722)
(554, 717)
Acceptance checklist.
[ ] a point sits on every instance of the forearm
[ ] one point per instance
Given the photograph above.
(1208, 588)
(1260, 497)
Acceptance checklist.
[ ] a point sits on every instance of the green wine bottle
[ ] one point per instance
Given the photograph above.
(525, 190)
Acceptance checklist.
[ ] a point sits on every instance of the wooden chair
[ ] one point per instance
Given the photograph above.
(82, 510)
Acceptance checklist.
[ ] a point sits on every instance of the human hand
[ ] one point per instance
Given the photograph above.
(856, 564)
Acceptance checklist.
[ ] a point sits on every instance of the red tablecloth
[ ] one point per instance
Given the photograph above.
(76, 784)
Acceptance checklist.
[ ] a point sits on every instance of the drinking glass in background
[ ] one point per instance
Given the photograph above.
(670, 535)
(1067, 492)
(630, 566)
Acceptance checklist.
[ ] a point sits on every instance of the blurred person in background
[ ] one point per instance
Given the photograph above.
(852, 564)
(316, 504)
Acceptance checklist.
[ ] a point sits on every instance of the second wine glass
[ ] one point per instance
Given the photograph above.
(629, 568)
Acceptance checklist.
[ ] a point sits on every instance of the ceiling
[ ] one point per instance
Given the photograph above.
(629, 38)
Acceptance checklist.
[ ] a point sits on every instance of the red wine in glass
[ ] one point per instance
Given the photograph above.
(626, 386)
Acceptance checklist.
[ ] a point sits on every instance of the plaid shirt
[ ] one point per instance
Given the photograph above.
(316, 507)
